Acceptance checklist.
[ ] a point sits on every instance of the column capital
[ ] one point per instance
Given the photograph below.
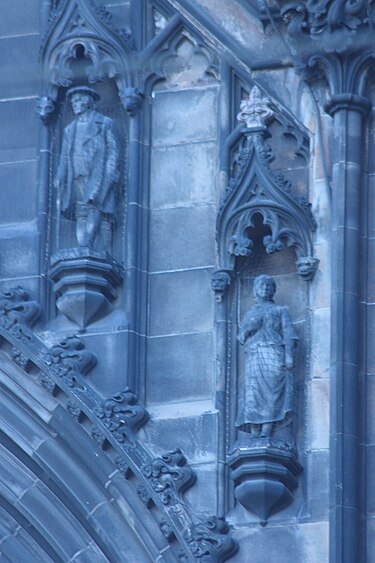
(347, 101)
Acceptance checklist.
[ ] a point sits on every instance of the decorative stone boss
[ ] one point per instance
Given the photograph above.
(267, 397)
(88, 170)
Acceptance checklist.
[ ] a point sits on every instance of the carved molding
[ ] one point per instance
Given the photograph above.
(330, 39)
(328, 16)
(165, 46)
(112, 424)
(69, 360)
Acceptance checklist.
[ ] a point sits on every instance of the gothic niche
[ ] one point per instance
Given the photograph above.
(87, 79)
(265, 229)
(86, 187)
(265, 465)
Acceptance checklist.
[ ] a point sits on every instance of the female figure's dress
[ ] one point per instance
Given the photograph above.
(267, 394)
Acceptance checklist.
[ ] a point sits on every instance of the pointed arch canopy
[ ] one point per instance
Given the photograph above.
(255, 189)
(79, 25)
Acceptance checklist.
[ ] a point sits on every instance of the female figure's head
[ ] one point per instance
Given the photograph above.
(264, 288)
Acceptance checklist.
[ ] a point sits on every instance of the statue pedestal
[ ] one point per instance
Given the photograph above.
(264, 478)
(84, 281)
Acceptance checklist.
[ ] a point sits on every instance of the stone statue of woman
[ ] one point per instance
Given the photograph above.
(267, 395)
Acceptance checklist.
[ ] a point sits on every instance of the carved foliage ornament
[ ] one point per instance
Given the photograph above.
(314, 17)
(331, 23)
(69, 360)
(169, 476)
(255, 111)
(209, 541)
(121, 416)
(255, 189)
(17, 313)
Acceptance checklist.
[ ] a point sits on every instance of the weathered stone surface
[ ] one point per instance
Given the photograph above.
(317, 481)
(179, 368)
(19, 250)
(120, 11)
(181, 302)
(18, 143)
(180, 238)
(110, 374)
(204, 498)
(191, 424)
(17, 52)
(19, 18)
(274, 543)
(16, 180)
(183, 174)
(184, 117)
(320, 349)
(318, 414)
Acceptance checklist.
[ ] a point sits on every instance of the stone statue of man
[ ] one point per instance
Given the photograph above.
(88, 170)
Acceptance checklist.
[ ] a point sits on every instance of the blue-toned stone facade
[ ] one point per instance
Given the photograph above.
(243, 136)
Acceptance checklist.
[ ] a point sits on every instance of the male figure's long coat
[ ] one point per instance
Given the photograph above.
(100, 164)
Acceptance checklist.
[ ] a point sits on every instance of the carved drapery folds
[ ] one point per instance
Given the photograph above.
(255, 189)
(266, 406)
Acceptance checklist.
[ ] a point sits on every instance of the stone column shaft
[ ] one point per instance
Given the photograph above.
(347, 111)
(136, 256)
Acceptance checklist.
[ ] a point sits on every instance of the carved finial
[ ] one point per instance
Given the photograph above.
(255, 111)
(45, 108)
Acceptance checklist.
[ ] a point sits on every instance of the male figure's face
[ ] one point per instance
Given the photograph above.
(80, 103)
(265, 289)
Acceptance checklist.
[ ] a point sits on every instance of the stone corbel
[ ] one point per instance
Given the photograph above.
(45, 107)
(132, 99)
(84, 282)
(220, 283)
(264, 479)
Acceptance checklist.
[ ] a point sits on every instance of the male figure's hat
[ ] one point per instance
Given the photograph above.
(83, 90)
